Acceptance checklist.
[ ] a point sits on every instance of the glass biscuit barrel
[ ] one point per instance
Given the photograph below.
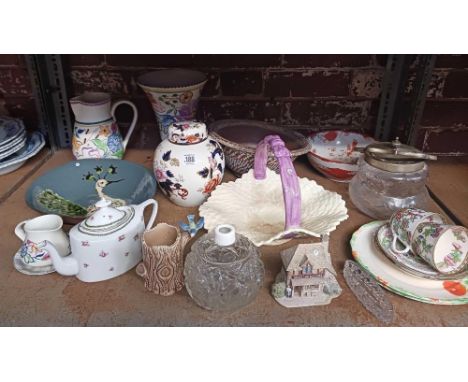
(391, 176)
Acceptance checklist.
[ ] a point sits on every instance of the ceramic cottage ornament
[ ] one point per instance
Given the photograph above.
(189, 164)
(106, 244)
(96, 134)
(307, 277)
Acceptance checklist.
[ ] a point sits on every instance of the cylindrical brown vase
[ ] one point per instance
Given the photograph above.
(163, 259)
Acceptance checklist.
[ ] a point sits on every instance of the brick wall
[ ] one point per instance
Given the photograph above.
(313, 91)
(15, 90)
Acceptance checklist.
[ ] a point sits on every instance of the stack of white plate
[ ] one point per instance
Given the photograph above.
(16, 147)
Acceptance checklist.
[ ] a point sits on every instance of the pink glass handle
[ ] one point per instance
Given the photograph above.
(289, 179)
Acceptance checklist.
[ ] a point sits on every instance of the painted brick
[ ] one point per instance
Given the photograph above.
(145, 136)
(366, 83)
(24, 108)
(9, 59)
(323, 113)
(114, 82)
(381, 59)
(436, 86)
(307, 83)
(456, 84)
(145, 112)
(212, 87)
(237, 60)
(452, 61)
(150, 60)
(74, 60)
(326, 60)
(15, 82)
(445, 113)
(446, 141)
(211, 110)
(241, 83)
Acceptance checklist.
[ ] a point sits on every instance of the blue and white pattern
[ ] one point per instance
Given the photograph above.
(35, 142)
(10, 129)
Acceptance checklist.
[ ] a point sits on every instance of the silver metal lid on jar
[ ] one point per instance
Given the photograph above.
(396, 157)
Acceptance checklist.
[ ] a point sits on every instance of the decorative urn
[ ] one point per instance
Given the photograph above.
(189, 164)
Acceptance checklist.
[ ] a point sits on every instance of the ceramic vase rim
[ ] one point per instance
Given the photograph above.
(82, 98)
(152, 230)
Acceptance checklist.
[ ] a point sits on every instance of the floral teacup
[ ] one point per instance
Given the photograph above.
(404, 222)
(445, 247)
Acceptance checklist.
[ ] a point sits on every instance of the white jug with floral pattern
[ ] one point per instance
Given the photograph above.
(96, 134)
(189, 164)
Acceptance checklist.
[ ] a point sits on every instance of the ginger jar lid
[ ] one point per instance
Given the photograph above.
(187, 132)
(106, 219)
(395, 157)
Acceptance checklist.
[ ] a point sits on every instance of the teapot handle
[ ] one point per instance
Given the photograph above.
(134, 120)
(154, 212)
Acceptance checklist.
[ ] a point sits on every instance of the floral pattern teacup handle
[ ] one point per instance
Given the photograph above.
(394, 244)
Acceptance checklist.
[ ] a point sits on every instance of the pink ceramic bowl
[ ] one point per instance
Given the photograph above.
(334, 153)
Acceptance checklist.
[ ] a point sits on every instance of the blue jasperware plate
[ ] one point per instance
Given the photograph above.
(72, 189)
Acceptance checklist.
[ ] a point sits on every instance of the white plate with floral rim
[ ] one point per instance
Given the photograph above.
(408, 261)
(368, 254)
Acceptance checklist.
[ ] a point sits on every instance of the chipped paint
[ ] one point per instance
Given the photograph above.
(101, 80)
(366, 83)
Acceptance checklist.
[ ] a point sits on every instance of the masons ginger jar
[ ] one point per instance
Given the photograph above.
(189, 164)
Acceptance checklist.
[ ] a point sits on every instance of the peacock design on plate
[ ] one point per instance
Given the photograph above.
(57, 204)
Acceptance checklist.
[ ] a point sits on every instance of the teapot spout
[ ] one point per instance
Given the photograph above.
(67, 266)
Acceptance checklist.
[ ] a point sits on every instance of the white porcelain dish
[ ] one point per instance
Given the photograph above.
(14, 143)
(34, 144)
(14, 148)
(335, 153)
(256, 209)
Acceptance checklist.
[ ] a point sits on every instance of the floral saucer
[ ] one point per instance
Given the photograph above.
(367, 253)
(20, 266)
(408, 262)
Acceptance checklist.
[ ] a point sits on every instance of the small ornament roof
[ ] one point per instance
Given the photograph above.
(293, 258)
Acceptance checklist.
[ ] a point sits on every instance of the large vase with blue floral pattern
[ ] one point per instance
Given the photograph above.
(174, 95)
(189, 164)
(96, 134)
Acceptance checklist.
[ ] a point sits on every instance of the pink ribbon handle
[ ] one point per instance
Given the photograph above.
(289, 179)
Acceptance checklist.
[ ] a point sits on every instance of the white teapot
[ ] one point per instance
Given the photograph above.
(106, 244)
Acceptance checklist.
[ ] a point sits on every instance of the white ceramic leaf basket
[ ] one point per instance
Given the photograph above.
(271, 209)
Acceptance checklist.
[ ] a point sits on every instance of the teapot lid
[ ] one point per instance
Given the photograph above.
(106, 219)
(395, 156)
